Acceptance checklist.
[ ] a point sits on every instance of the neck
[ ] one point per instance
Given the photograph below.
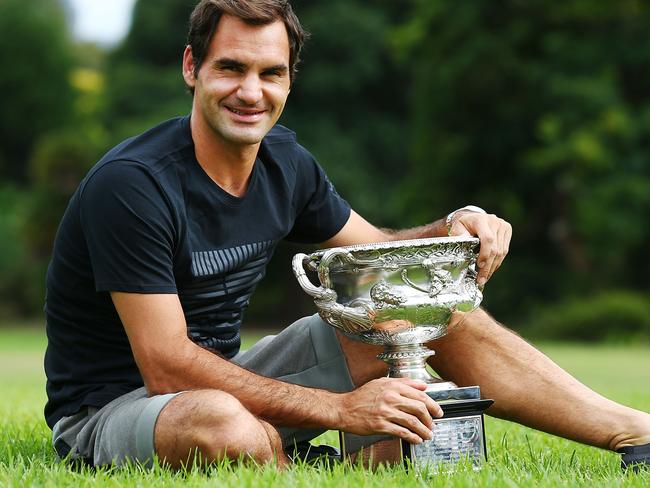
(228, 165)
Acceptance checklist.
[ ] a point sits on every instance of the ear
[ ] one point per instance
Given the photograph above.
(188, 67)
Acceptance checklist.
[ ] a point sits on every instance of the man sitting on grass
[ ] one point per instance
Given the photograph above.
(167, 236)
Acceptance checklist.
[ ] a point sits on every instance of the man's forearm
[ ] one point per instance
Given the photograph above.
(278, 402)
(434, 229)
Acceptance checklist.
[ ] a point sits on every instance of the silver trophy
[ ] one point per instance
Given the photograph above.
(401, 295)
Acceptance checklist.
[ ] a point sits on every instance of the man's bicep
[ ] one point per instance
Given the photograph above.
(356, 230)
(157, 332)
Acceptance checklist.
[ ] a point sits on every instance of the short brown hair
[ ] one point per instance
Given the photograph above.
(206, 16)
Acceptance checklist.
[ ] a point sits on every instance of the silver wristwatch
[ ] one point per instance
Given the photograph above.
(450, 218)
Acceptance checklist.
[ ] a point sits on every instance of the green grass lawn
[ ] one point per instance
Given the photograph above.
(518, 456)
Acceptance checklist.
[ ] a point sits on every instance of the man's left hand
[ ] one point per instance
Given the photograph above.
(494, 233)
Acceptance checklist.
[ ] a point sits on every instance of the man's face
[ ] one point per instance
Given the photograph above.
(243, 83)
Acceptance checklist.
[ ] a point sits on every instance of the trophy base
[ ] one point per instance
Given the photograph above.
(459, 436)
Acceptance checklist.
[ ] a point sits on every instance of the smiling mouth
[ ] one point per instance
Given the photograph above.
(246, 113)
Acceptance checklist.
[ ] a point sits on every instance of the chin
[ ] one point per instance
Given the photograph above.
(248, 140)
(252, 137)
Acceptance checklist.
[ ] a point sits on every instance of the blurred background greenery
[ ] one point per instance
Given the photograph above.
(538, 111)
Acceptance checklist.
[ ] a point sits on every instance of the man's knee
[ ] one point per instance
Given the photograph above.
(214, 424)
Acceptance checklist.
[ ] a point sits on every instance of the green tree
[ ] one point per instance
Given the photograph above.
(349, 103)
(539, 112)
(35, 93)
(143, 75)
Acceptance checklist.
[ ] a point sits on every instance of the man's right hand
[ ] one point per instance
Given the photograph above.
(393, 406)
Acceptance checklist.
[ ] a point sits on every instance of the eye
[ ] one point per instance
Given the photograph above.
(272, 73)
(229, 67)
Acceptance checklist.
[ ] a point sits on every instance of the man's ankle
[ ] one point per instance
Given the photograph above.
(637, 433)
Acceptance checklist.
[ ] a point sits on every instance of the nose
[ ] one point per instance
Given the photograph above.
(250, 89)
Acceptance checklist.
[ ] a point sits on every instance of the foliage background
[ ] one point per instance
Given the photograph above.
(536, 110)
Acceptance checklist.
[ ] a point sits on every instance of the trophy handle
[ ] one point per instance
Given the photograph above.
(328, 257)
(352, 320)
(318, 293)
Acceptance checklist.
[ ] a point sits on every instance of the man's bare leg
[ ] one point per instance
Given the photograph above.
(209, 425)
(361, 359)
(529, 388)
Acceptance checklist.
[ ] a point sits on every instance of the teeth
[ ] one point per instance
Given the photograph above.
(239, 112)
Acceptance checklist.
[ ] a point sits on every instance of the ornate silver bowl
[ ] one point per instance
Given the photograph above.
(399, 294)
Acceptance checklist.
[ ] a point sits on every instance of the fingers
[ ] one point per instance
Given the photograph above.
(431, 408)
(394, 406)
(409, 410)
(404, 433)
(406, 420)
(417, 384)
(413, 408)
(504, 234)
(409, 428)
(495, 235)
(488, 251)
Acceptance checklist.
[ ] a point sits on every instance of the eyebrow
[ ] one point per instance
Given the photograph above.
(281, 68)
(227, 63)
(233, 63)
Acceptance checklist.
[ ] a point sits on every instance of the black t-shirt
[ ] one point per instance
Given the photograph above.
(148, 219)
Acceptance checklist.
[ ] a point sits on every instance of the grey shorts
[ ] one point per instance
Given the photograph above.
(305, 353)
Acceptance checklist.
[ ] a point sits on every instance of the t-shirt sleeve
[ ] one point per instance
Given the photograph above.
(128, 227)
(320, 211)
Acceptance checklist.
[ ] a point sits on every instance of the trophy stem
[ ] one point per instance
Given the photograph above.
(409, 361)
